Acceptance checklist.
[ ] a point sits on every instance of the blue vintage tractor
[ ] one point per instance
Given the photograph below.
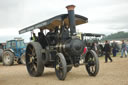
(15, 51)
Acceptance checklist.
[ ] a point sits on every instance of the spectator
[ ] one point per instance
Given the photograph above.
(114, 48)
(107, 50)
(123, 49)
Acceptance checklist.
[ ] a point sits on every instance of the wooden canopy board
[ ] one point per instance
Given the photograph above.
(54, 22)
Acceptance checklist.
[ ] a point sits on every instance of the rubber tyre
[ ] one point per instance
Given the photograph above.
(36, 67)
(8, 58)
(92, 54)
(1, 52)
(60, 69)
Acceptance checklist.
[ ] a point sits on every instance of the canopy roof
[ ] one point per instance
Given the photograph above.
(54, 22)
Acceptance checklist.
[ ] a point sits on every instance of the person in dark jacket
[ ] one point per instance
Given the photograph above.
(107, 50)
(114, 48)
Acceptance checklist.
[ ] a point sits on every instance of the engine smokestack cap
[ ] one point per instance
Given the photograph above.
(70, 7)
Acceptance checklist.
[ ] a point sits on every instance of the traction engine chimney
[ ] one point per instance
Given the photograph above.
(71, 17)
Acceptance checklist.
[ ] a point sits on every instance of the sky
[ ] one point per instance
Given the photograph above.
(104, 16)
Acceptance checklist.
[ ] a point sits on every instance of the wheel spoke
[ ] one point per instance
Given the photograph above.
(35, 67)
(31, 66)
(60, 72)
(30, 48)
(92, 70)
(33, 53)
(30, 62)
(29, 55)
(32, 59)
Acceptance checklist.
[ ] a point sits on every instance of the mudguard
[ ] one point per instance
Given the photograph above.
(11, 50)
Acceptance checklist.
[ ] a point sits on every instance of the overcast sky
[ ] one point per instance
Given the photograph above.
(105, 16)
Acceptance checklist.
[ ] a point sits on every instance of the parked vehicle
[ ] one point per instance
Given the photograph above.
(90, 39)
(15, 51)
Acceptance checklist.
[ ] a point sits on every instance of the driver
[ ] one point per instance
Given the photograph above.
(34, 37)
(65, 33)
(52, 36)
(42, 39)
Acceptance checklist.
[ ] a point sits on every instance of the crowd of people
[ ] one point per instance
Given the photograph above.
(114, 48)
(110, 48)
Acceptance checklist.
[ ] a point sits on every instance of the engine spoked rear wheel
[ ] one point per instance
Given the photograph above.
(34, 60)
(60, 66)
(92, 63)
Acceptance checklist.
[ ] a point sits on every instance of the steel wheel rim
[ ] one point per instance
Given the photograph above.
(59, 67)
(32, 60)
(91, 64)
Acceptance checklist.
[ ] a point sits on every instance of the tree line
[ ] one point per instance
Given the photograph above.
(116, 36)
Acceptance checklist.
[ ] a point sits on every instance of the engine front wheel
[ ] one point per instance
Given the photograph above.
(34, 61)
(60, 66)
(92, 63)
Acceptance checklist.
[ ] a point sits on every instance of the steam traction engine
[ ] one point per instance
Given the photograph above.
(59, 48)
